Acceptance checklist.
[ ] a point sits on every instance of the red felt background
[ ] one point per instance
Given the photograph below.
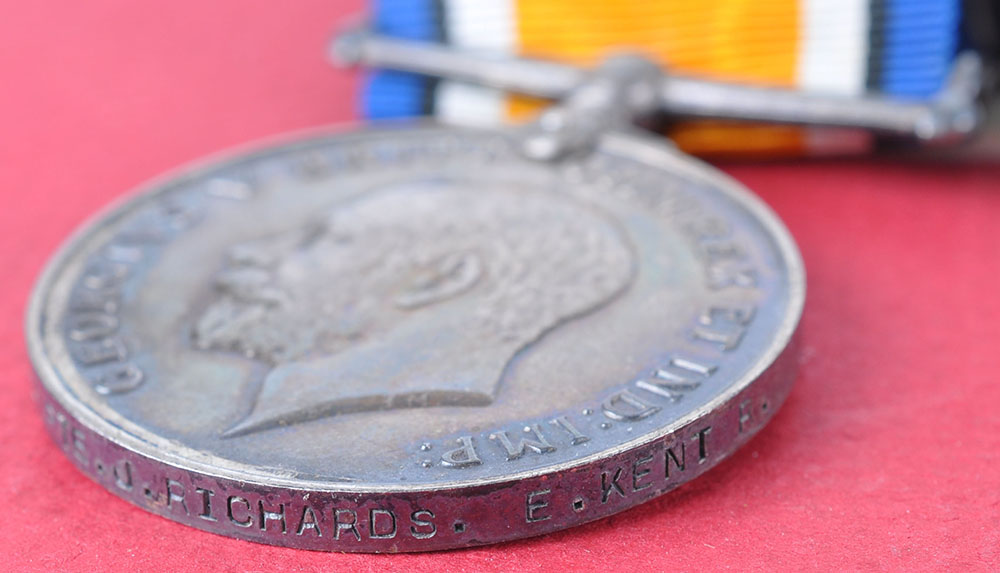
(886, 456)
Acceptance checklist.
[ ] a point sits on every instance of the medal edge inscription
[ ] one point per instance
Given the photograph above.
(391, 522)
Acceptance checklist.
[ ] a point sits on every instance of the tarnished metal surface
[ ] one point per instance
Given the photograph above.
(405, 340)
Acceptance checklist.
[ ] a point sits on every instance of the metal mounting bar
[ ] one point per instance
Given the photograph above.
(952, 115)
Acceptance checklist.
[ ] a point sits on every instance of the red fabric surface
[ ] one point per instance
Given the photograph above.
(885, 457)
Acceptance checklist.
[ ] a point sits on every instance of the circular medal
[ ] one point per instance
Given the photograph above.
(416, 339)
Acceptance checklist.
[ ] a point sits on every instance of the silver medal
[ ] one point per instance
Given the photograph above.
(421, 337)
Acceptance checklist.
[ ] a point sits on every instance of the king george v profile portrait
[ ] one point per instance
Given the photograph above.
(409, 295)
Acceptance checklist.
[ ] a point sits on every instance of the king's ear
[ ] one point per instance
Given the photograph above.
(442, 278)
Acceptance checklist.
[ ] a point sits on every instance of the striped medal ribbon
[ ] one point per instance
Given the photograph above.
(898, 48)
